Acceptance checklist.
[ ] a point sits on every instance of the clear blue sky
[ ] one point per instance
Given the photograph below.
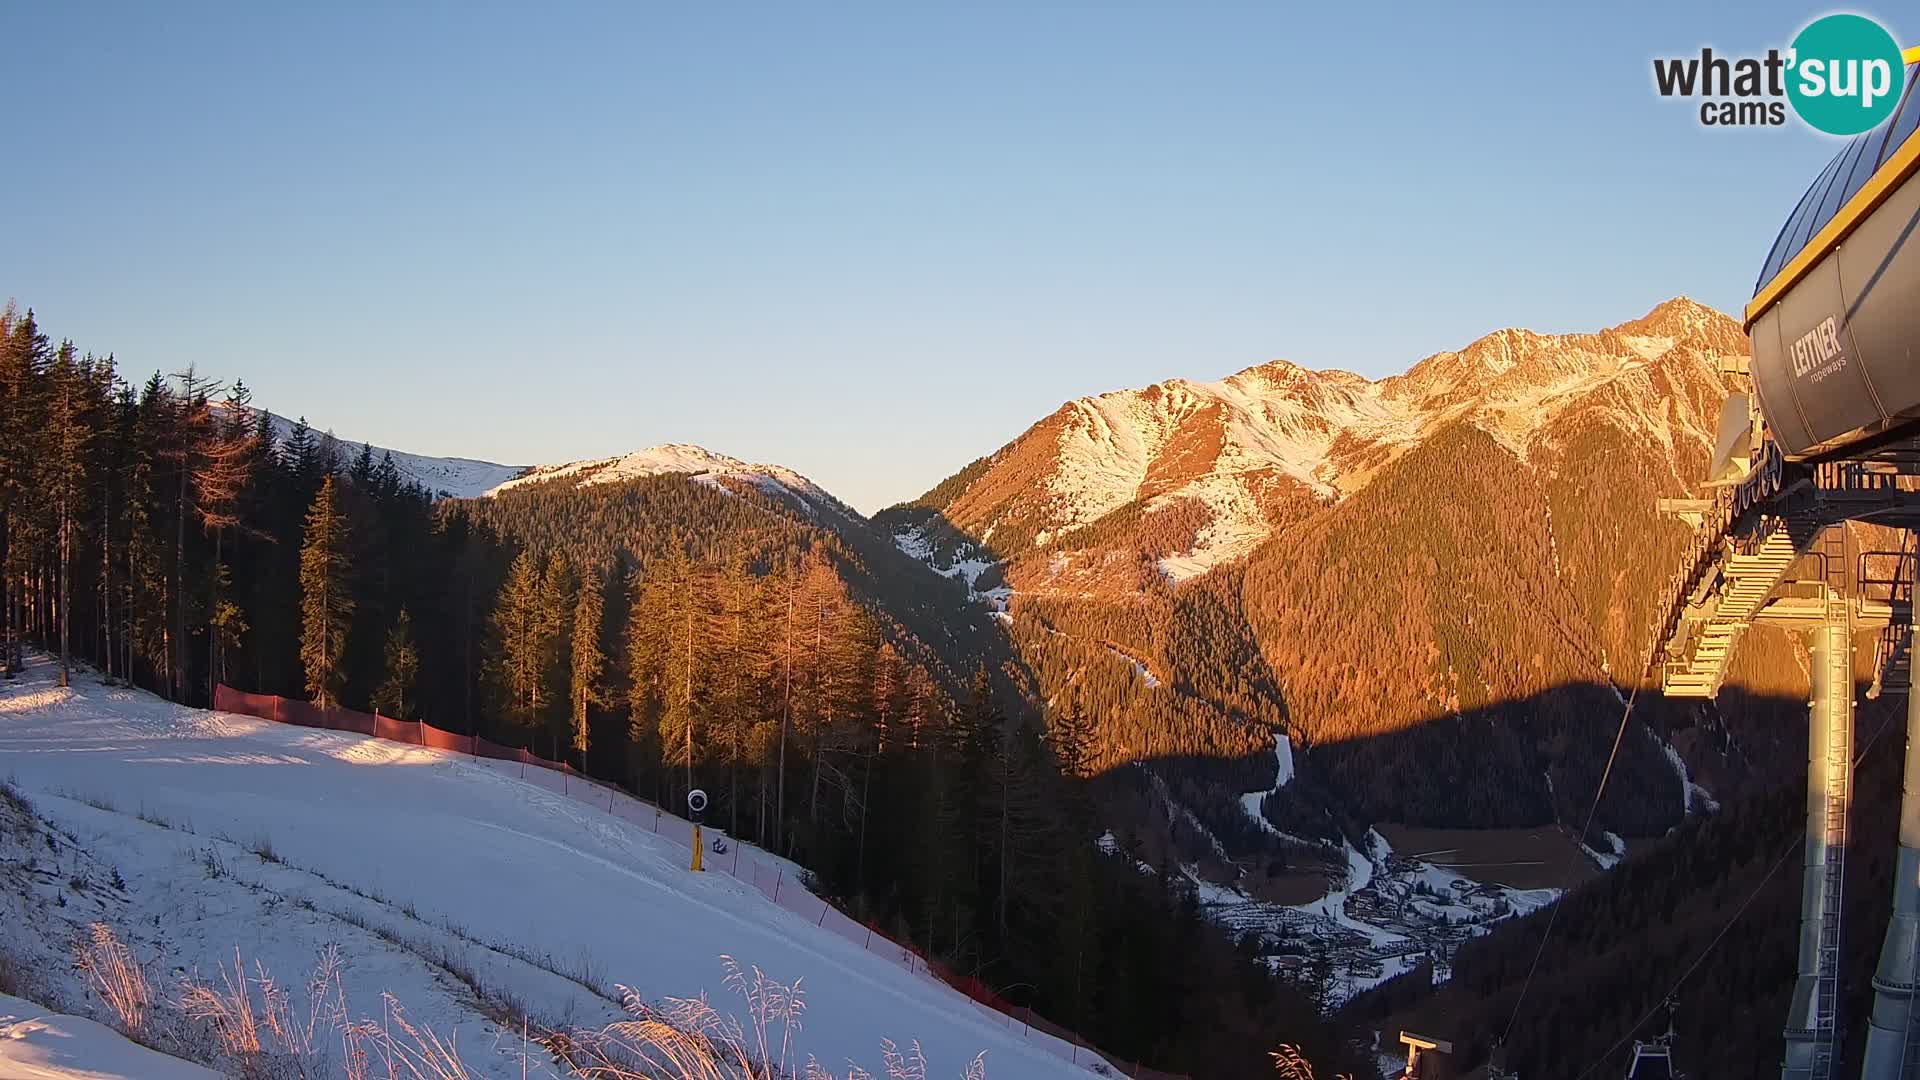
(871, 242)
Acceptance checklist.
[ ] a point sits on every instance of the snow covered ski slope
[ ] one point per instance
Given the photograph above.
(433, 873)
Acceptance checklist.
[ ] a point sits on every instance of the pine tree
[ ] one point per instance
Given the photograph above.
(1070, 741)
(23, 355)
(588, 659)
(326, 601)
(557, 588)
(301, 457)
(521, 647)
(145, 637)
(111, 450)
(395, 697)
(67, 437)
(386, 478)
(227, 624)
(327, 455)
(1070, 736)
(361, 474)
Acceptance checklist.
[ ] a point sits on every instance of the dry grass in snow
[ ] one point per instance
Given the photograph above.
(245, 1022)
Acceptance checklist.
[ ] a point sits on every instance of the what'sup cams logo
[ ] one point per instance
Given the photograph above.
(1843, 75)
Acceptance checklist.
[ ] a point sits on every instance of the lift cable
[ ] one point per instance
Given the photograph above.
(1553, 916)
(1626, 713)
(1785, 854)
(1698, 960)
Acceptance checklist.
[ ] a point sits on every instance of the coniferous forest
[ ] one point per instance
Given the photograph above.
(657, 633)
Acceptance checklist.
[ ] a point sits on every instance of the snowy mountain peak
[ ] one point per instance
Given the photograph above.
(705, 466)
(1231, 455)
(1682, 318)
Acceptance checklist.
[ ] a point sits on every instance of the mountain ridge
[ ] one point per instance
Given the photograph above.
(454, 477)
(1248, 447)
(444, 477)
(702, 465)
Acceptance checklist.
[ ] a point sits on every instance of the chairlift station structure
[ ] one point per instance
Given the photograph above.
(1830, 435)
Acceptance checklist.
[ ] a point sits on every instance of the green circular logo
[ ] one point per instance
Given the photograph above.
(1845, 75)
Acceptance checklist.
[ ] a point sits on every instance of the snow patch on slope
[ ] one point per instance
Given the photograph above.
(39, 1044)
(965, 565)
(1607, 860)
(1694, 799)
(1283, 775)
(1140, 669)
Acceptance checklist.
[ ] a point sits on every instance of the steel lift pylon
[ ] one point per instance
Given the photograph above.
(1893, 1038)
(1789, 560)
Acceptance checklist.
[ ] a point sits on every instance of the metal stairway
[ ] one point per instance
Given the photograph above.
(1724, 606)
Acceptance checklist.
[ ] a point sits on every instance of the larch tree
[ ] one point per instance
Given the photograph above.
(889, 697)
(220, 467)
(833, 637)
(664, 643)
(326, 601)
(739, 663)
